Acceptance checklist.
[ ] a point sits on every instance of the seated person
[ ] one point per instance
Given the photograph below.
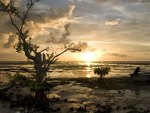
(136, 72)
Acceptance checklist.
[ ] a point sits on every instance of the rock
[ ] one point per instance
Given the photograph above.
(65, 100)
(118, 108)
(58, 109)
(71, 109)
(55, 110)
(98, 105)
(103, 108)
(82, 109)
(98, 111)
(119, 92)
(124, 108)
(56, 99)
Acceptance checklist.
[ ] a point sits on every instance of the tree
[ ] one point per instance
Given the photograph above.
(102, 71)
(41, 60)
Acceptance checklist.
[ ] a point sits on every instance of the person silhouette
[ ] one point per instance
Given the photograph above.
(136, 71)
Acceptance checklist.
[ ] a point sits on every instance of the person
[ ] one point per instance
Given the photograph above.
(136, 71)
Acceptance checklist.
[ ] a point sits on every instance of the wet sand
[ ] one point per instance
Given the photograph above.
(88, 95)
(4, 109)
(96, 98)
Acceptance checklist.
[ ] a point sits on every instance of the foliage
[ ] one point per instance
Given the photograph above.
(35, 86)
(24, 81)
(21, 80)
(102, 71)
(41, 60)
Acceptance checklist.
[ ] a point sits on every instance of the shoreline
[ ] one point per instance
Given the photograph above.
(93, 95)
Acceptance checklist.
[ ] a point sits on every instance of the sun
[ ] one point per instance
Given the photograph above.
(88, 56)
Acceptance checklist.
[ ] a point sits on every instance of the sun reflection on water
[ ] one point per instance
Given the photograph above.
(87, 63)
(88, 76)
(88, 69)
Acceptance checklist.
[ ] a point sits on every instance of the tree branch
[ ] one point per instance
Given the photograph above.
(29, 6)
(12, 21)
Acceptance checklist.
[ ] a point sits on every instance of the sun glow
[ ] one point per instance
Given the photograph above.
(88, 56)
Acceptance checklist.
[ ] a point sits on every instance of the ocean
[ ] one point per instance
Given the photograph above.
(77, 69)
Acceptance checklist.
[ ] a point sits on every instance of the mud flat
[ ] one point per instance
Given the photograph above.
(90, 95)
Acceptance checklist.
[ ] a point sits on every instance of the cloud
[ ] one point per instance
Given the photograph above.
(112, 22)
(135, 1)
(10, 42)
(51, 22)
(71, 7)
(5, 26)
(85, 47)
(117, 55)
(41, 15)
(3, 38)
(5, 1)
(58, 39)
(79, 0)
(11, 56)
(7, 40)
(122, 1)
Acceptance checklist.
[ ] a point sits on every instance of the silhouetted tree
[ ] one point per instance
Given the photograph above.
(41, 60)
(102, 71)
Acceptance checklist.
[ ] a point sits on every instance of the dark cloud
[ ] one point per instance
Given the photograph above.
(7, 40)
(133, 1)
(129, 21)
(85, 47)
(146, 53)
(122, 1)
(41, 22)
(11, 56)
(48, 14)
(58, 39)
(5, 25)
(10, 42)
(117, 55)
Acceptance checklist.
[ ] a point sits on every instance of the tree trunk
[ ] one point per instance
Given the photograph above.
(41, 101)
(101, 77)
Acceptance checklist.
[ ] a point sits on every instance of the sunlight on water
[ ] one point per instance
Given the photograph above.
(77, 69)
(88, 76)
(87, 63)
(88, 71)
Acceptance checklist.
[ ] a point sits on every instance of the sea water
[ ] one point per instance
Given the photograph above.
(78, 69)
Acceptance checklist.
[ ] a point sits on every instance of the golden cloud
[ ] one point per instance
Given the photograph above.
(113, 22)
(41, 23)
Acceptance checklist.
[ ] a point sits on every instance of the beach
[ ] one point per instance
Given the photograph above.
(70, 95)
(90, 95)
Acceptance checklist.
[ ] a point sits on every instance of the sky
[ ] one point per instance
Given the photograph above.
(106, 30)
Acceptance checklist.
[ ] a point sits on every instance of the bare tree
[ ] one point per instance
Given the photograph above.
(41, 60)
